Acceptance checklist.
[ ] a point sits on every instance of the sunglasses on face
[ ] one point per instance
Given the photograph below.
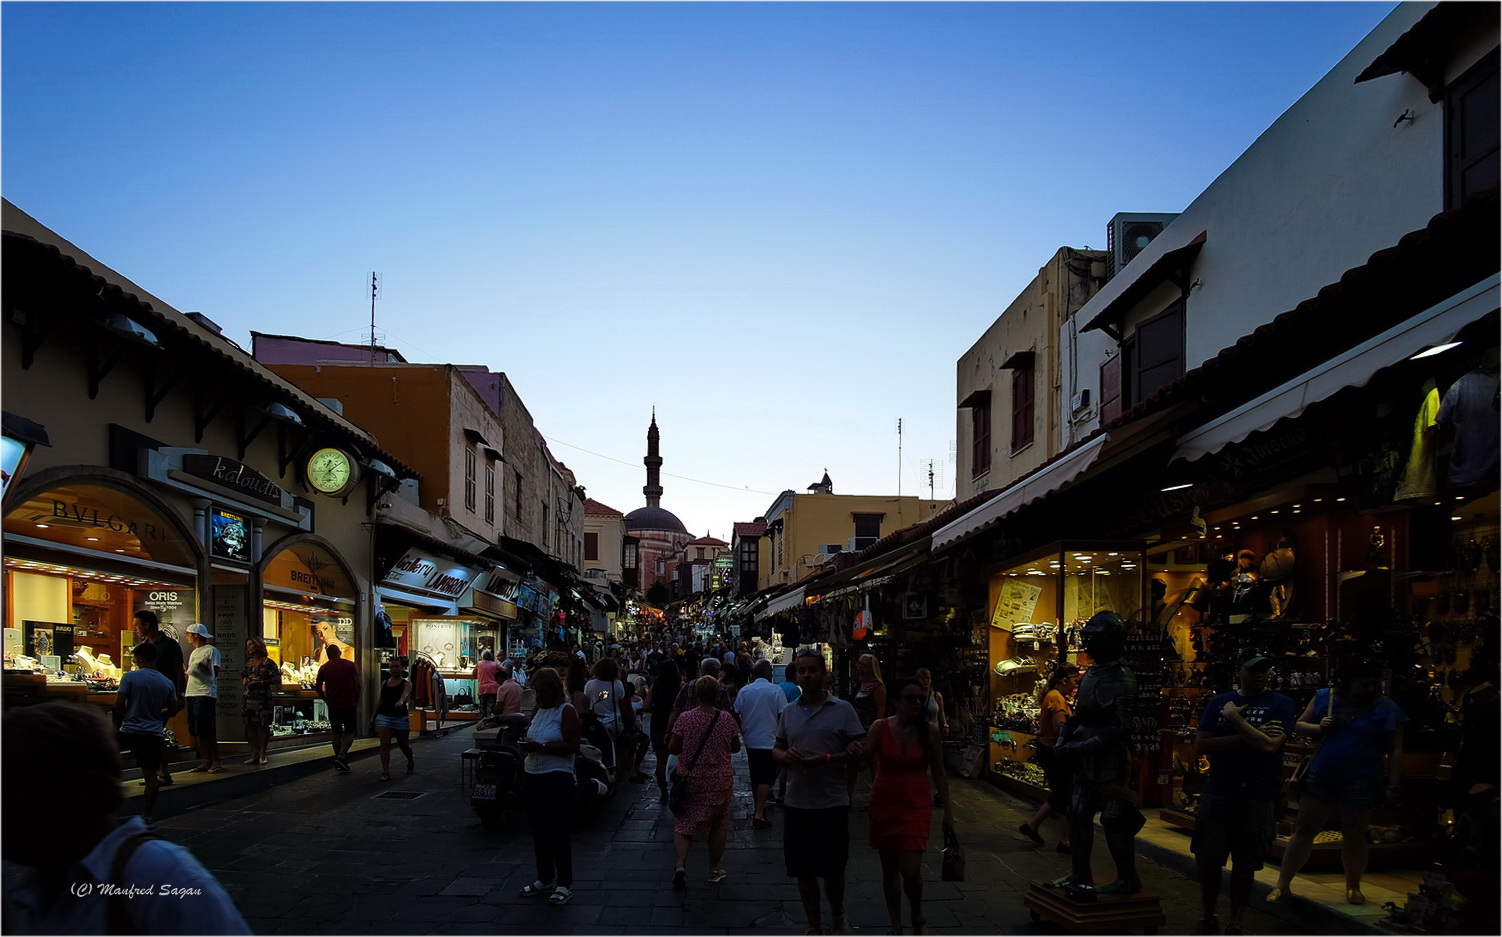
(911, 698)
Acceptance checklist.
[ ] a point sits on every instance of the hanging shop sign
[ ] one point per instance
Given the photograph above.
(229, 536)
(16, 442)
(420, 570)
(236, 475)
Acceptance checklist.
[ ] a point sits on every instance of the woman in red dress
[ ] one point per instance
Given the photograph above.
(905, 749)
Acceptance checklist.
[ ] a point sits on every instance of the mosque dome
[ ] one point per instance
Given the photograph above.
(654, 518)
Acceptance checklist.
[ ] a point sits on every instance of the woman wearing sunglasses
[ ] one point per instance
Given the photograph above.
(905, 751)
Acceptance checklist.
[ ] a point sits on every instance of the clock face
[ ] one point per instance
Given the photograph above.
(330, 471)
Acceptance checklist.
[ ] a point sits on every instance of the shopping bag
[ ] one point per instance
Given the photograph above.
(952, 866)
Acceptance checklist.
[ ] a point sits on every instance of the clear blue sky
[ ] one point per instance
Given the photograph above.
(780, 223)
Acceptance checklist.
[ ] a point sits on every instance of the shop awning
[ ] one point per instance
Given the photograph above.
(879, 573)
(1043, 482)
(427, 602)
(782, 603)
(1354, 368)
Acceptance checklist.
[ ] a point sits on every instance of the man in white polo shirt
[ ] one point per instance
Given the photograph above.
(202, 697)
(759, 705)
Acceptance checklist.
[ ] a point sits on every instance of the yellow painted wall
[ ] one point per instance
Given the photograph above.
(816, 520)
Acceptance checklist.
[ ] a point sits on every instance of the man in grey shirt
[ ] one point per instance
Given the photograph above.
(817, 738)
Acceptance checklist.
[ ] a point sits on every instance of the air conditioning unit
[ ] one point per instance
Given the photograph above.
(1081, 400)
(857, 544)
(1129, 232)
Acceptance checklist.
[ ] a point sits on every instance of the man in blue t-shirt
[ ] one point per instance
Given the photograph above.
(1242, 732)
(145, 701)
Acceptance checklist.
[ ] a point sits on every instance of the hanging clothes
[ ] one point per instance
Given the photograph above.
(1470, 410)
(1420, 481)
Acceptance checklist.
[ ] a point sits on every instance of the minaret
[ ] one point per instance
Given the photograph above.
(653, 489)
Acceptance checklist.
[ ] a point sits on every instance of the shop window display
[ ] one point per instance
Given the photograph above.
(81, 559)
(1039, 604)
(451, 647)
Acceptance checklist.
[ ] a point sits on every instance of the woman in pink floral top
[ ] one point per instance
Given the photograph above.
(711, 780)
(262, 678)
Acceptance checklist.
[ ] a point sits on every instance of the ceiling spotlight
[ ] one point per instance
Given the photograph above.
(1434, 350)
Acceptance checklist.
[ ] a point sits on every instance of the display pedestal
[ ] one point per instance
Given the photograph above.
(1107, 914)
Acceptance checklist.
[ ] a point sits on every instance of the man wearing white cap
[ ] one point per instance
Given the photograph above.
(203, 696)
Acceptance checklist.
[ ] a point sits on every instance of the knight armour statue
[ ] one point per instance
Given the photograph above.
(1095, 741)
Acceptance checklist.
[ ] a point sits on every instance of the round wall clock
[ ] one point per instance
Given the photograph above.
(331, 471)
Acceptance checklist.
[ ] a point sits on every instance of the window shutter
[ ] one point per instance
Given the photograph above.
(1471, 129)
(1110, 390)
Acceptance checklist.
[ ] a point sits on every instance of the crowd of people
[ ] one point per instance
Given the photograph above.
(695, 702)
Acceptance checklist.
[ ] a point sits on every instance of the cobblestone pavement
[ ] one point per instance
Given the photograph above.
(321, 855)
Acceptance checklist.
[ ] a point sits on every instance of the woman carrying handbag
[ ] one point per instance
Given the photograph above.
(905, 751)
(708, 737)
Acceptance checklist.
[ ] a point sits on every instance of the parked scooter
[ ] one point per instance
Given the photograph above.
(594, 766)
(497, 794)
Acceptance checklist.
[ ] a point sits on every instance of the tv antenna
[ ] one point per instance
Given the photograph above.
(375, 289)
(899, 457)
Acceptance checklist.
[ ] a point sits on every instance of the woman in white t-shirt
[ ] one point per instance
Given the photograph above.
(550, 744)
(606, 697)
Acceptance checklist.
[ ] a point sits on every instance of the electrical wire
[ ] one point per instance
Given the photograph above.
(697, 481)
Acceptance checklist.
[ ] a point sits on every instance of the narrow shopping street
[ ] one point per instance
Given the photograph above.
(337, 854)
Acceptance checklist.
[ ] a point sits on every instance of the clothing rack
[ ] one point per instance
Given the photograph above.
(436, 689)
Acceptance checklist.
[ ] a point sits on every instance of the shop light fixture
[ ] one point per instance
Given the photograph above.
(1434, 350)
(1274, 511)
(93, 539)
(1456, 517)
(44, 526)
(1255, 516)
(1178, 487)
(1318, 500)
(1340, 499)
(126, 327)
(282, 413)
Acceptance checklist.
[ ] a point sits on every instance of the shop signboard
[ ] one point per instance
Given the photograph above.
(13, 454)
(237, 475)
(172, 606)
(420, 570)
(231, 613)
(42, 639)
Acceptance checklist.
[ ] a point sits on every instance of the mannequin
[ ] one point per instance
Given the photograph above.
(107, 667)
(1095, 742)
(84, 655)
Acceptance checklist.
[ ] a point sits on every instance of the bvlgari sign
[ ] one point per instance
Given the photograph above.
(232, 474)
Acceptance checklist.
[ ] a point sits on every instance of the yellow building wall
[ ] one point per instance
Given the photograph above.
(815, 520)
